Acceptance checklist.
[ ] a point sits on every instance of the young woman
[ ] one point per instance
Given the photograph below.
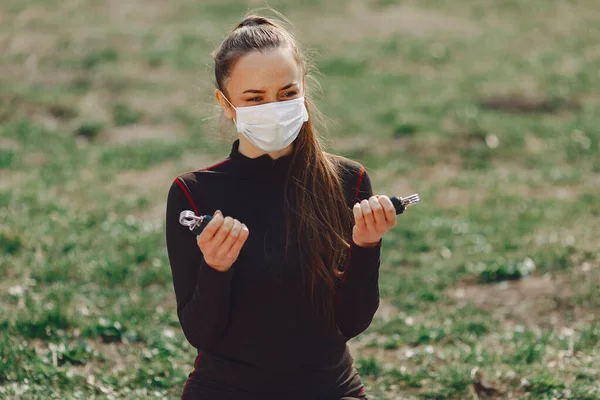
(287, 271)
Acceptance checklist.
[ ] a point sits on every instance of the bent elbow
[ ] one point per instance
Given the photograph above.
(200, 334)
(359, 323)
(359, 326)
(199, 340)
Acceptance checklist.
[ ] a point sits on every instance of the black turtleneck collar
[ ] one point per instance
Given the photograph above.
(261, 167)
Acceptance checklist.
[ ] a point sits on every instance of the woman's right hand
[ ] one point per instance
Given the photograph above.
(221, 241)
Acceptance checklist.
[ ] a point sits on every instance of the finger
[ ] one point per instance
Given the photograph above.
(210, 229)
(222, 232)
(389, 210)
(230, 239)
(368, 214)
(359, 219)
(237, 245)
(378, 215)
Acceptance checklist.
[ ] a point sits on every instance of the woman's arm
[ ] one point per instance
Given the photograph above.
(357, 297)
(202, 293)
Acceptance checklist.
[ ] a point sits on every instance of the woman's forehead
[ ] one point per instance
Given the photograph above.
(270, 70)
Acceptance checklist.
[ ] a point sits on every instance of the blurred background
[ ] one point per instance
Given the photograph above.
(488, 109)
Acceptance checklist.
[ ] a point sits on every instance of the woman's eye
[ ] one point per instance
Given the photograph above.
(255, 99)
(290, 94)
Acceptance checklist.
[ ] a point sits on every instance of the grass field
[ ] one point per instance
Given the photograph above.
(488, 109)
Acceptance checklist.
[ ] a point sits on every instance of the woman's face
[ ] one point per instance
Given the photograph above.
(260, 78)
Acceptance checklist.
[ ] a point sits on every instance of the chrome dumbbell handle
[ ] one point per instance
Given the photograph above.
(402, 203)
(195, 223)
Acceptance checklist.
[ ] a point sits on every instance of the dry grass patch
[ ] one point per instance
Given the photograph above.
(535, 301)
(11, 179)
(518, 103)
(452, 197)
(359, 22)
(142, 132)
(148, 181)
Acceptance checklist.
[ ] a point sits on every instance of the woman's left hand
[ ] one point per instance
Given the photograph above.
(372, 219)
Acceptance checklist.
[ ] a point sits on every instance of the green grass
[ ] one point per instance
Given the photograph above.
(497, 267)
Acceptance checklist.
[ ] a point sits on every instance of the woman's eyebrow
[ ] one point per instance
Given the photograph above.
(289, 85)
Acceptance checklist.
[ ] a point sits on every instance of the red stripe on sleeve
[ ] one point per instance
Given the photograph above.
(360, 178)
(183, 187)
(187, 194)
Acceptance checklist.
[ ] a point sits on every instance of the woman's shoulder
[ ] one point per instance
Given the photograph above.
(350, 170)
(192, 183)
(352, 174)
(194, 176)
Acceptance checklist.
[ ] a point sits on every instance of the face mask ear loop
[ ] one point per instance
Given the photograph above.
(232, 106)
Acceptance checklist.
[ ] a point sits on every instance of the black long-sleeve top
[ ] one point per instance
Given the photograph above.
(256, 335)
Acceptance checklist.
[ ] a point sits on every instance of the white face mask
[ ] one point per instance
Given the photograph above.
(272, 126)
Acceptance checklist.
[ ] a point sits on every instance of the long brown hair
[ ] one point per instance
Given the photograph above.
(316, 209)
